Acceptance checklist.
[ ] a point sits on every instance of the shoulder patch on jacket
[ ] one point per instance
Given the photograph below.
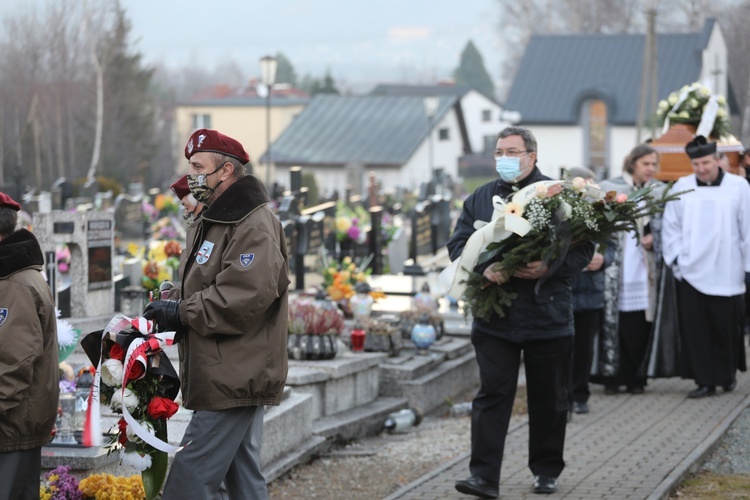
(204, 253)
(246, 259)
(3, 315)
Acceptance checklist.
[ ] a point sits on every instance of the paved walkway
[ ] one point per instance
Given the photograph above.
(628, 446)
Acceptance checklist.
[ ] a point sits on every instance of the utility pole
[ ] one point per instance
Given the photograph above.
(648, 74)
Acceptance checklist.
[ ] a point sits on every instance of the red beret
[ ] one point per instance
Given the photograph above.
(212, 141)
(7, 201)
(180, 187)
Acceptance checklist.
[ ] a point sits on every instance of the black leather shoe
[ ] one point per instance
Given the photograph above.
(730, 387)
(580, 407)
(545, 484)
(702, 392)
(477, 486)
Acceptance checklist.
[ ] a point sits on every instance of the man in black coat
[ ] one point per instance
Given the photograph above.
(539, 325)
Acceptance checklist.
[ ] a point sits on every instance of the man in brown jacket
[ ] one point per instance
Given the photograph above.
(28, 357)
(231, 314)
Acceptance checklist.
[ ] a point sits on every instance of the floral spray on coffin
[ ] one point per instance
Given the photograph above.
(314, 328)
(135, 377)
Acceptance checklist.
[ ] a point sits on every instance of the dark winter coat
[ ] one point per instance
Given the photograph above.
(235, 282)
(588, 287)
(532, 316)
(29, 374)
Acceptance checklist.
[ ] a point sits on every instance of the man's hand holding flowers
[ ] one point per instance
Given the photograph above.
(532, 271)
(166, 314)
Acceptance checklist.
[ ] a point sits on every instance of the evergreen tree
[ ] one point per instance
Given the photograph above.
(328, 85)
(285, 71)
(472, 73)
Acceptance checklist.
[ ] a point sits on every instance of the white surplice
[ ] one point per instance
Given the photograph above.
(706, 235)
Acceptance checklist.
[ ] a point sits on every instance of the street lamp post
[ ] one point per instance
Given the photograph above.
(267, 77)
(431, 104)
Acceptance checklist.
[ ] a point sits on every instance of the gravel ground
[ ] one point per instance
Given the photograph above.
(733, 453)
(376, 467)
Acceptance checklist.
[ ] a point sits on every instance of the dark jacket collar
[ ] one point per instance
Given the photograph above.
(241, 198)
(504, 189)
(19, 251)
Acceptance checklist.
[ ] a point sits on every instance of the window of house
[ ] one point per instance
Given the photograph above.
(596, 134)
(486, 115)
(490, 141)
(201, 121)
(443, 134)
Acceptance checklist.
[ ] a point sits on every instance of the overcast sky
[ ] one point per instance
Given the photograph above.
(385, 40)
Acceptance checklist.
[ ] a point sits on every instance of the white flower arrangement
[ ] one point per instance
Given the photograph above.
(135, 460)
(129, 399)
(111, 372)
(688, 105)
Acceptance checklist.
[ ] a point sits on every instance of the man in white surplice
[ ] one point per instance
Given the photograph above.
(706, 238)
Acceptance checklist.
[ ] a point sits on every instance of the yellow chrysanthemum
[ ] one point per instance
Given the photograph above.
(159, 202)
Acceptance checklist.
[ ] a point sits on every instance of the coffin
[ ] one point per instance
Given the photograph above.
(674, 163)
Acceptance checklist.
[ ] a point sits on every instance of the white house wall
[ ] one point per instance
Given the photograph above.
(445, 155)
(714, 58)
(559, 146)
(473, 104)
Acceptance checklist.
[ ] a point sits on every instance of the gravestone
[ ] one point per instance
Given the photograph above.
(129, 222)
(61, 190)
(90, 238)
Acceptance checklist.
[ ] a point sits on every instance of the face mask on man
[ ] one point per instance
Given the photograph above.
(508, 168)
(189, 217)
(199, 187)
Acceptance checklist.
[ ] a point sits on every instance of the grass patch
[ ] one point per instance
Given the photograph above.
(707, 485)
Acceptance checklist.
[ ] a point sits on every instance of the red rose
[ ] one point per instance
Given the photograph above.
(116, 352)
(122, 425)
(162, 408)
(135, 370)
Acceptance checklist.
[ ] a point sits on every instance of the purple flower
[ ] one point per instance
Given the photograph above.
(353, 232)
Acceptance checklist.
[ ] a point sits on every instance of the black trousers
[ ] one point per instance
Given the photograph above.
(709, 326)
(587, 325)
(634, 333)
(547, 365)
(20, 471)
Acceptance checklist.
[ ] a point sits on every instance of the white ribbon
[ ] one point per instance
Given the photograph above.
(708, 117)
(452, 278)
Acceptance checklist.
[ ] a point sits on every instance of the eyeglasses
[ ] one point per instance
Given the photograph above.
(509, 152)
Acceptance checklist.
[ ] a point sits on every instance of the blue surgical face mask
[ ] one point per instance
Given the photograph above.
(508, 168)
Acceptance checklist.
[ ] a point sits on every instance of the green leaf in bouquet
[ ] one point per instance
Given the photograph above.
(153, 477)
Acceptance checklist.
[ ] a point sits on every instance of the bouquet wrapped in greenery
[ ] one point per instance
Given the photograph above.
(556, 216)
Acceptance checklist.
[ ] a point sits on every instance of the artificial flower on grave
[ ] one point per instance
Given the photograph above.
(109, 486)
(388, 228)
(167, 228)
(351, 223)
(62, 256)
(67, 338)
(59, 484)
(339, 279)
(307, 317)
(137, 380)
(688, 105)
(67, 381)
(166, 204)
(160, 261)
(541, 223)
